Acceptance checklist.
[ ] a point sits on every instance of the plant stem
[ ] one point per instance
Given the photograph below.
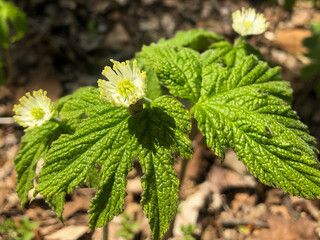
(183, 169)
(239, 40)
(65, 128)
(105, 232)
(55, 120)
(147, 99)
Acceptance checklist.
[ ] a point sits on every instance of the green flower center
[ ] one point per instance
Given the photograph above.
(125, 87)
(37, 113)
(247, 24)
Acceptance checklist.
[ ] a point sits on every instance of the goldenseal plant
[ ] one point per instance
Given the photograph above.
(237, 99)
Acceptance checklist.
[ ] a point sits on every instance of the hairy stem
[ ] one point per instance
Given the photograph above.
(239, 40)
(105, 232)
(147, 99)
(64, 127)
(183, 169)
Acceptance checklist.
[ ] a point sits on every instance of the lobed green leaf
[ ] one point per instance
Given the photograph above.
(161, 186)
(153, 86)
(196, 39)
(109, 200)
(246, 108)
(110, 137)
(230, 55)
(160, 130)
(34, 146)
(71, 156)
(56, 203)
(85, 101)
(178, 70)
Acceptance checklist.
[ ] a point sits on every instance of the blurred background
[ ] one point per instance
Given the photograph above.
(67, 43)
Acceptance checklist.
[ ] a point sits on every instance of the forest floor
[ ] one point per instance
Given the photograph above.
(68, 43)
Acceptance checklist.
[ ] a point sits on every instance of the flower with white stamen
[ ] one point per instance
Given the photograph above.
(34, 110)
(126, 84)
(248, 22)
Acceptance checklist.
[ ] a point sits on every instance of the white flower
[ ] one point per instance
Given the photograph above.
(34, 110)
(126, 85)
(248, 22)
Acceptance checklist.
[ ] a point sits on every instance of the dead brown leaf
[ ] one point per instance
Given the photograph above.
(280, 228)
(290, 40)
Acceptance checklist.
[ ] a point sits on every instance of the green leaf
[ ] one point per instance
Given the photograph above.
(155, 133)
(153, 86)
(178, 70)
(109, 200)
(161, 186)
(34, 145)
(71, 156)
(160, 130)
(224, 80)
(171, 123)
(247, 109)
(92, 180)
(197, 39)
(102, 138)
(112, 138)
(56, 203)
(84, 101)
(223, 52)
(11, 16)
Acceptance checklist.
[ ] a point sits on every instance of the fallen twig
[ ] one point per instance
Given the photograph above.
(6, 120)
(231, 223)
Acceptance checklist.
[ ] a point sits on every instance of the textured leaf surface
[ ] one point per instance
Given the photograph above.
(84, 101)
(161, 186)
(179, 71)
(159, 130)
(249, 75)
(56, 203)
(102, 138)
(109, 200)
(197, 39)
(153, 87)
(71, 156)
(246, 108)
(230, 55)
(34, 145)
(109, 136)
(154, 134)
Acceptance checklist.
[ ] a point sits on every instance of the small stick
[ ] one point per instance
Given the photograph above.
(231, 223)
(105, 232)
(6, 120)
